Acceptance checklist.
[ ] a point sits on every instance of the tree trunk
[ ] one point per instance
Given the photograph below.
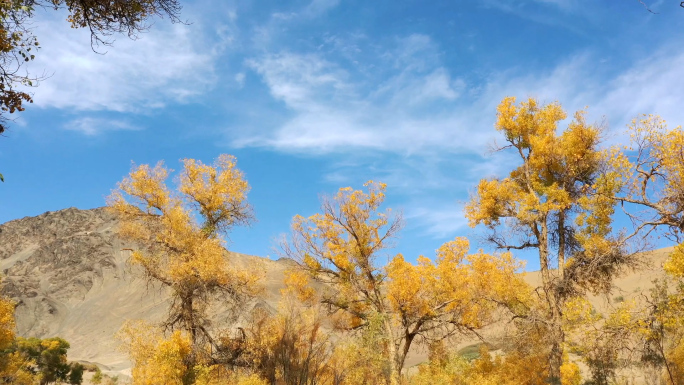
(556, 334)
(557, 338)
(403, 351)
(392, 352)
(561, 244)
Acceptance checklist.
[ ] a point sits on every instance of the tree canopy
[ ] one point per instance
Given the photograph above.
(559, 201)
(177, 237)
(433, 300)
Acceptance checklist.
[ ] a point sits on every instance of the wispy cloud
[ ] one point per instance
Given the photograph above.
(441, 221)
(404, 111)
(436, 126)
(169, 63)
(420, 107)
(616, 93)
(95, 126)
(551, 13)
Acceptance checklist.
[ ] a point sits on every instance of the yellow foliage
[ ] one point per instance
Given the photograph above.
(358, 361)
(559, 201)
(674, 265)
(297, 284)
(177, 236)
(340, 246)
(455, 292)
(14, 369)
(552, 166)
(676, 358)
(454, 285)
(159, 360)
(14, 366)
(214, 375)
(156, 360)
(218, 191)
(656, 180)
(512, 368)
(579, 313)
(570, 373)
(6, 323)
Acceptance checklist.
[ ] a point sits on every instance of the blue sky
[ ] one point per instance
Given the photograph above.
(314, 95)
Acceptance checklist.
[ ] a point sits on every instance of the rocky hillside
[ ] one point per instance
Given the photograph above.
(67, 271)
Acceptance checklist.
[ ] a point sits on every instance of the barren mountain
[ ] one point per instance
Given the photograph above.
(67, 271)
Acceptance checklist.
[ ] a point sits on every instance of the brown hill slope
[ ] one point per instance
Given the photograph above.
(68, 274)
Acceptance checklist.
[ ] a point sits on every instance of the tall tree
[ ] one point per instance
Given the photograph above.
(177, 238)
(652, 166)
(432, 300)
(102, 18)
(559, 201)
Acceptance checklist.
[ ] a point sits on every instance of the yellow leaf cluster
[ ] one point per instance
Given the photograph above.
(14, 367)
(341, 244)
(456, 291)
(675, 262)
(218, 192)
(457, 284)
(215, 375)
(553, 170)
(7, 324)
(157, 360)
(509, 369)
(579, 313)
(298, 284)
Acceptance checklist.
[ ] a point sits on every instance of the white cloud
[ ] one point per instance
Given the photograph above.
(95, 126)
(300, 79)
(440, 221)
(404, 112)
(168, 63)
(649, 85)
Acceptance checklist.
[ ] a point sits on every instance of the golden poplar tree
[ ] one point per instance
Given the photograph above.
(559, 201)
(652, 166)
(431, 300)
(177, 238)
